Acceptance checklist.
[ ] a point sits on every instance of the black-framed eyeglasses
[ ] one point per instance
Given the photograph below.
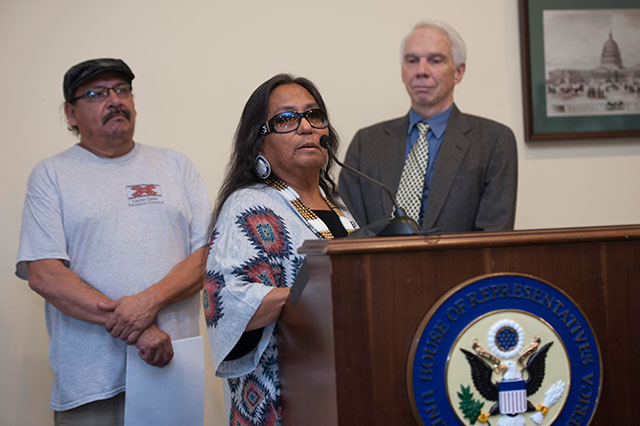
(96, 94)
(289, 121)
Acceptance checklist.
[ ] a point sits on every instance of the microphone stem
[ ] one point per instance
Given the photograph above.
(368, 178)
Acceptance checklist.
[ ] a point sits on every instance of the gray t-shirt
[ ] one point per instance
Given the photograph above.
(121, 224)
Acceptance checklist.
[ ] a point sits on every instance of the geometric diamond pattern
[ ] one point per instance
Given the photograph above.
(260, 270)
(266, 232)
(212, 303)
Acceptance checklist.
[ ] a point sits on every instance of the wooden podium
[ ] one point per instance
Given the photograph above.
(344, 346)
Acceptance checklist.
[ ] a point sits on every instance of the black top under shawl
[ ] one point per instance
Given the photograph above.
(331, 219)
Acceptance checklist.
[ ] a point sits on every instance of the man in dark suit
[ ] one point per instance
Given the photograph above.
(471, 166)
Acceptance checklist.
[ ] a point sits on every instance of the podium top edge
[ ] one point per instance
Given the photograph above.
(471, 240)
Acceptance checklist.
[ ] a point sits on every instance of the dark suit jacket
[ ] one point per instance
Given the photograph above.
(474, 181)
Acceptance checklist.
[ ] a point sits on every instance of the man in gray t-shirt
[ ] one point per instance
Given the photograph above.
(113, 237)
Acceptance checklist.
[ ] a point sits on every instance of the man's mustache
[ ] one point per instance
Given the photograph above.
(117, 111)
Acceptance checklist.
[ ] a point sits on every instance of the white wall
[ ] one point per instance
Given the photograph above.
(197, 62)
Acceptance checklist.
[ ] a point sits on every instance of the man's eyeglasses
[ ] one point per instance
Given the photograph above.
(289, 121)
(96, 94)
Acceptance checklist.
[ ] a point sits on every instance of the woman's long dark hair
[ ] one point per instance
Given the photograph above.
(248, 140)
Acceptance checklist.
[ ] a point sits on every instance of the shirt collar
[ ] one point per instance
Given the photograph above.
(437, 123)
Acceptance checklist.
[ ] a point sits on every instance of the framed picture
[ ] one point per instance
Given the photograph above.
(580, 68)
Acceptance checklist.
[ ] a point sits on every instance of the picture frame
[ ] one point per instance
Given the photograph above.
(568, 91)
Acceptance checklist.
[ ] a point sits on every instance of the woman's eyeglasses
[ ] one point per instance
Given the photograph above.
(289, 121)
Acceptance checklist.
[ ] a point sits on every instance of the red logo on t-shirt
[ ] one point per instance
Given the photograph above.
(143, 190)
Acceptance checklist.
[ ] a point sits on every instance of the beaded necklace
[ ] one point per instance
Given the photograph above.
(313, 221)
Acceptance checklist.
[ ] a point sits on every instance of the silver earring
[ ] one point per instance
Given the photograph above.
(262, 168)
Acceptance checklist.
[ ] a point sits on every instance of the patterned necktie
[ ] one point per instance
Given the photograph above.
(411, 186)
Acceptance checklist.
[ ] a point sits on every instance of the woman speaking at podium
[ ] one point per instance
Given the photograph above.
(277, 192)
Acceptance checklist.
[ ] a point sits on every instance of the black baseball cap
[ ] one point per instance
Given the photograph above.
(83, 71)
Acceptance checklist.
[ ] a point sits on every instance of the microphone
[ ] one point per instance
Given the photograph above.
(400, 224)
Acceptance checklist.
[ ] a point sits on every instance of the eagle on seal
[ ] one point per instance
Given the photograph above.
(481, 373)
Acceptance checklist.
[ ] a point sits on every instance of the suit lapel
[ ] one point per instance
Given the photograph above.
(392, 154)
(452, 151)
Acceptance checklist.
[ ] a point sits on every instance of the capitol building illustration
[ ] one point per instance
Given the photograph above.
(608, 88)
(611, 68)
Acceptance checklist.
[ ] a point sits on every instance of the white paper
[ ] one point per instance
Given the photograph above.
(173, 395)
